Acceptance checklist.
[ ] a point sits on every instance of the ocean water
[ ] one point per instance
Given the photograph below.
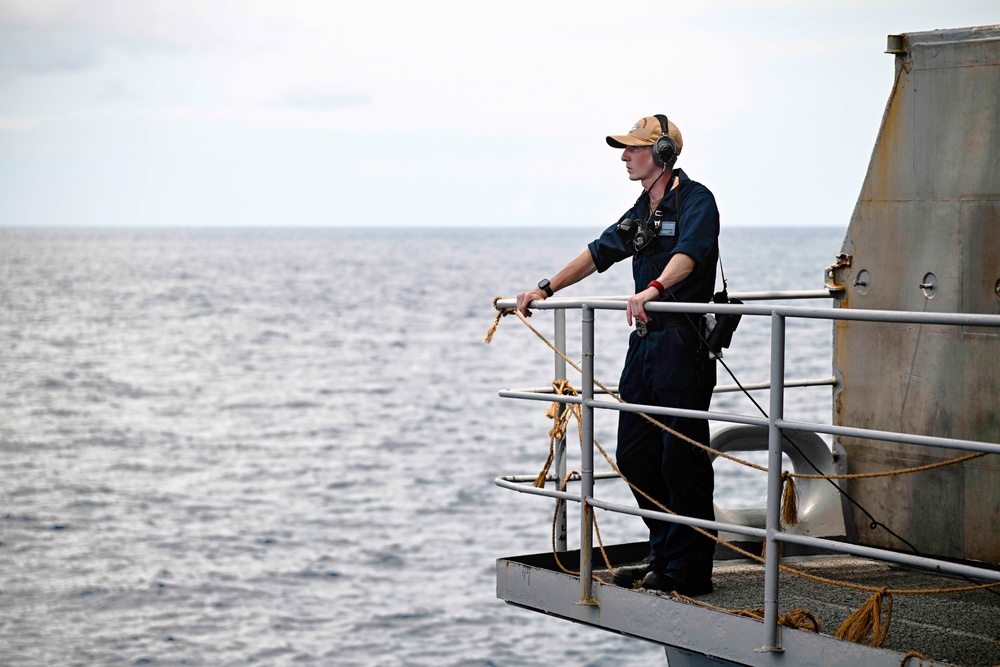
(278, 447)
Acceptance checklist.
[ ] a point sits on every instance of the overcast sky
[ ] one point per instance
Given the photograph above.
(309, 113)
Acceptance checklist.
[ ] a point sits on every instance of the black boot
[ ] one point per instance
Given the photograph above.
(677, 580)
(626, 577)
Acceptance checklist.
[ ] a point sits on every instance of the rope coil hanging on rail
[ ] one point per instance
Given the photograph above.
(865, 622)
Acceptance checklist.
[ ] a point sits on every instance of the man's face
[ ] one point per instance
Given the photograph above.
(639, 163)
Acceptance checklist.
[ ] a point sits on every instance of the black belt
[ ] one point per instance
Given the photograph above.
(661, 323)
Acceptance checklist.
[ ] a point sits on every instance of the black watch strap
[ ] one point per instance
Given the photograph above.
(543, 285)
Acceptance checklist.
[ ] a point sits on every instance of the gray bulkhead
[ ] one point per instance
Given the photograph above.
(925, 236)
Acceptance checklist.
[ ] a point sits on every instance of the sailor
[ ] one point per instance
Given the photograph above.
(671, 235)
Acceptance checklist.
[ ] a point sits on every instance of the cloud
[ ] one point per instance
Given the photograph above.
(30, 51)
(116, 90)
(57, 36)
(184, 24)
(17, 123)
(324, 101)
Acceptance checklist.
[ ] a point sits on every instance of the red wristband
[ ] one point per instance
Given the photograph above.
(658, 285)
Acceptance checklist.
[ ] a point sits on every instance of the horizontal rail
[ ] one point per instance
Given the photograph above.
(757, 386)
(575, 477)
(783, 295)
(636, 407)
(678, 412)
(854, 314)
(529, 395)
(546, 392)
(720, 389)
(851, 432)
(921, 562)
(891, 436)
(506, 483)
(678, 518)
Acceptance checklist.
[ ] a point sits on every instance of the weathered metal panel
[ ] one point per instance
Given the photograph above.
(981, 262)
(957, 132)
(928, 214)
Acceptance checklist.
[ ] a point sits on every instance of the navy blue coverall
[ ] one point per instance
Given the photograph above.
(670, 367)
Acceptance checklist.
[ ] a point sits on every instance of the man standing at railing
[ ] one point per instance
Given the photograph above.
(671, 234)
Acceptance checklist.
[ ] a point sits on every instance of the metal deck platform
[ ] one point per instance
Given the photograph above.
(950, 629)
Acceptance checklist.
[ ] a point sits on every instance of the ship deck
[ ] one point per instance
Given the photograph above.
(950, 628)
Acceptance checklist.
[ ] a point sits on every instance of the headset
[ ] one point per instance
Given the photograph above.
(665, 149)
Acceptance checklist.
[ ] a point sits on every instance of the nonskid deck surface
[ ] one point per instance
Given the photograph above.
(960, 628)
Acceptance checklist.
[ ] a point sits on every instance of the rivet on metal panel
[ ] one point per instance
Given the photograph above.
(863, 282)
(929, 285)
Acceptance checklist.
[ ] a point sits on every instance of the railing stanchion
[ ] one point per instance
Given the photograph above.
(772, 559)
(559, 463)
(587, 458)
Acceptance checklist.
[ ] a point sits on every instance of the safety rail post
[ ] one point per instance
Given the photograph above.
(772, 559)
(559, 456)
(587, 457)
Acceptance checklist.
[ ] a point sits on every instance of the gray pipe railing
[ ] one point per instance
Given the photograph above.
(772, 533)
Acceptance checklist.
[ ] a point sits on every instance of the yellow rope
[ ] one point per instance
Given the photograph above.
(789, 501)
(560, 420)
(501, 312)
(555, 515)
(796, 618)
(600, 542)
(867, 621)
(890, 473)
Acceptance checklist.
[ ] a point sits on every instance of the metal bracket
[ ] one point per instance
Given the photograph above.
(830, 277)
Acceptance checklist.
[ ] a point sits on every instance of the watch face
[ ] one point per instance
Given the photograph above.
(544, 286)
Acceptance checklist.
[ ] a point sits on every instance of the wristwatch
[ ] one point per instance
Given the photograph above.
(543, 285)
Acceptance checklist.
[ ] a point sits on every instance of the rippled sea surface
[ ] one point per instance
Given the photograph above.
(278, 447)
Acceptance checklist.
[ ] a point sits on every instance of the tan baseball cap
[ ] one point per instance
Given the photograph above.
(645, 133)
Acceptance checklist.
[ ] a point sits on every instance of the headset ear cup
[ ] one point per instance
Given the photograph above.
(664, 151)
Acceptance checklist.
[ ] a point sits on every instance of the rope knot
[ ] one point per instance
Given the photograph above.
(560, 422)
(801, 619)
(501, 312)
(789, 500)
(867, 620)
